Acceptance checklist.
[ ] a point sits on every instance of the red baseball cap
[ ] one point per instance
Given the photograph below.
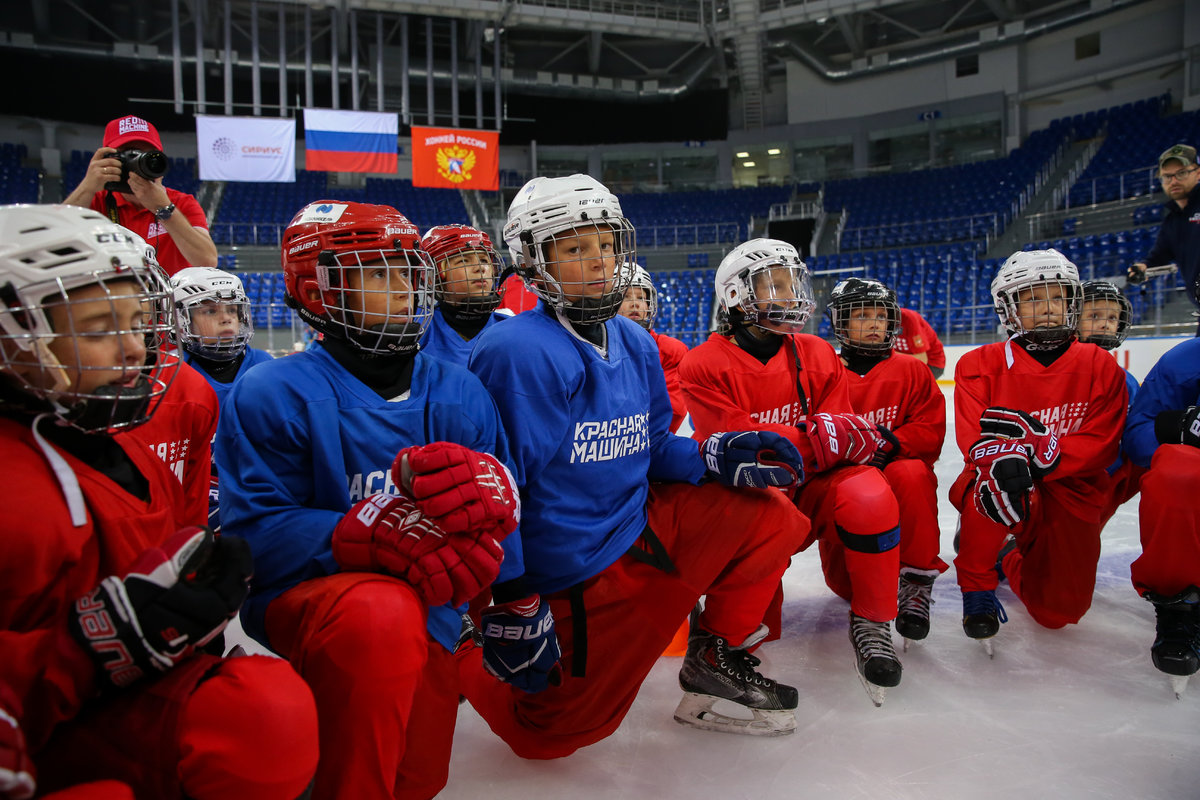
(131, 129)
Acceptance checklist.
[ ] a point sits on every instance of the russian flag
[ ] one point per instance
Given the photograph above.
(350, 141)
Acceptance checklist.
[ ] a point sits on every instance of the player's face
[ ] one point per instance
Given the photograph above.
(584, 261)
(636, 304)
(1043, 305)
(378, 294)
(213, 320)
(1177, 179)
(1099, 318)
(100, 340)
(867, 325)
(467, 275)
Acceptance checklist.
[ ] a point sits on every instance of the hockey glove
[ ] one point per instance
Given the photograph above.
(18, 778)
(1003, 480)
(886, 451)
(1011, 423)
(752, 459)
(460, 489)
(386, 533)
(838, 438)
(520, 646)
(176, 598)
(1189, 426)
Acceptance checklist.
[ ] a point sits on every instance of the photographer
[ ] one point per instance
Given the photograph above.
(124, 182)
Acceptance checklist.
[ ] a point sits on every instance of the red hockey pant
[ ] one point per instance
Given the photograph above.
(387, 693)
(1170, 523)
(915, 487)
(210, 729)
(730, 545)
(1053, 567)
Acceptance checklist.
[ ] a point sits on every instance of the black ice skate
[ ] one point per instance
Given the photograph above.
(982, 615)
(713, 670)
(914, 598)
(874, 657)
(1176, 648)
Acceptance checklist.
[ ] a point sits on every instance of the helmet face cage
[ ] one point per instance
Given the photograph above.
(1095, 292)
(858, 295)
(89, 344)
(770, 284)
(468, 268)
(648, 296)
(1044, 285)
(206, 299)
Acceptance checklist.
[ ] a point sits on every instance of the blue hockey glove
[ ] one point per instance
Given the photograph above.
(520, 646)
(753, 459)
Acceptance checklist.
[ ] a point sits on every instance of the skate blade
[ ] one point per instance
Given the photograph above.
(1178, 684)
(696, 710)
(877, 693)
(986, 644)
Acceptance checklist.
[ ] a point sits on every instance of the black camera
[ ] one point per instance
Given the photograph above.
(150, 164)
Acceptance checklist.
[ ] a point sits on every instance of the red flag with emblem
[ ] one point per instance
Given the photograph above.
(455, 158)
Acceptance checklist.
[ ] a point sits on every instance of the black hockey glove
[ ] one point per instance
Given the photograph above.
(752, 459)
(1003, 480)
(1012, 423)
(1189, 426)
(176, 598)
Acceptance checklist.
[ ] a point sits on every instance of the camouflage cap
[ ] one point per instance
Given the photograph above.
(1183, 153)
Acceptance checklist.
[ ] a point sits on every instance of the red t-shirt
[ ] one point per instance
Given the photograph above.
(901, 395)
(142, 222)
(917, 336)
(670, 352)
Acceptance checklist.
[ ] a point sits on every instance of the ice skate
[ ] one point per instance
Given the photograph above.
(914, 597)
(982, 615)
(1176, 648)
(715, 672)
(874, 657)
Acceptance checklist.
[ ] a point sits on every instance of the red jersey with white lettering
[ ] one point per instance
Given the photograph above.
(47, 562)
(180, 432)
(670, 352)
(917, 336)
(727, 389)
(902, 395)
(1081, 397)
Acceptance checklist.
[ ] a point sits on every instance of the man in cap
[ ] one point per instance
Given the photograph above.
(1178, 238)
(172, 222)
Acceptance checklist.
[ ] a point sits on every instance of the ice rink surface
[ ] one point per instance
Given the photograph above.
(1073, 713)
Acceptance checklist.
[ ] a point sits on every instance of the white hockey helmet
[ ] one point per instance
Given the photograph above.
(193, 288)
(641, 280)
(547, 209)
(49, 257)
(1038, 275)
(767, 283)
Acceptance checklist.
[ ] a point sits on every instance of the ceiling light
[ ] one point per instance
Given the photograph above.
(747, 163)
(774, 151)
(743, 155)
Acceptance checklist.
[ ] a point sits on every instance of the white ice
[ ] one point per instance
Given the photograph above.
(1073, 713)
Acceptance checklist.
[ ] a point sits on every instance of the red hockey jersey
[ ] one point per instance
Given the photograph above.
(918, 336)
(670, 352)
(47, 562)
(1081, 397)
(902, 395)
(727, 389)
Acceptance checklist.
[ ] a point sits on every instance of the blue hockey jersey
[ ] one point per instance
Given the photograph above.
(588, 432)
(301, 440)
(1172, 384)
(253, 357)
(442, 341)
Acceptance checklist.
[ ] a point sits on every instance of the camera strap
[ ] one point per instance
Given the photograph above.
(110, 207)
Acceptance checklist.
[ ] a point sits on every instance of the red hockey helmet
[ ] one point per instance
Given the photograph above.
(357, 272)
(468, 268)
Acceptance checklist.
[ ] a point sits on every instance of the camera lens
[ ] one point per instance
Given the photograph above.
(151, 165)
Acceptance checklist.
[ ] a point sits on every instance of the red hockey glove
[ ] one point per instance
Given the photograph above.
(1041, 443)
(838, 438)
(462, 490)
(176, 598)
(386, 533)
(1003, 480)
(520, 646)
(18, 778)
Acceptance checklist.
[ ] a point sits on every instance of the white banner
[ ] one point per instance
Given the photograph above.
(246, 149)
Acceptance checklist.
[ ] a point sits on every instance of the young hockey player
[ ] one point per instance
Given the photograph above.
(619, 540)
(641, 306)
(1163, 435)
(360, 567)
(466, 290)
(918, 339)
(898, 393)
(763, 372)
(107, 599)
(1104, 318)
(1038, 419)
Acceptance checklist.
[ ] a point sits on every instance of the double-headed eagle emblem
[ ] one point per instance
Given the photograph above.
(455, 163)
